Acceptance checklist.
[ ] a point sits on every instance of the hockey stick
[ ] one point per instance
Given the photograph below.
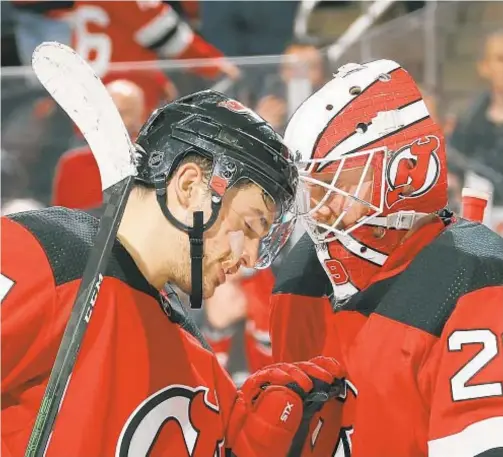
(76, 88)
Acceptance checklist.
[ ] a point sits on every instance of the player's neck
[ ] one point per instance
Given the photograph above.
(139, 233)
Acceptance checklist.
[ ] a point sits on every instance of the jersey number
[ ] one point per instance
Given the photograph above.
(489, 342)
(5, 286)
(337, 271)
(97, 46)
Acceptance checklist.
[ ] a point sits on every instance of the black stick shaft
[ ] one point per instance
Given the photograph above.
(79, 318)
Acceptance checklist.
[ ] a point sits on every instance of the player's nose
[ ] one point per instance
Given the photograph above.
(250, 252)
(329, 211)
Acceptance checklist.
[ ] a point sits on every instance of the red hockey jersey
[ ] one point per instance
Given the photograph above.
(136, 31)
(142, 385)
(422, 345)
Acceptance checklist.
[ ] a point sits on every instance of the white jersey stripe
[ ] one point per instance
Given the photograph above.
(178, 42)
(473, 440)
(157, 28)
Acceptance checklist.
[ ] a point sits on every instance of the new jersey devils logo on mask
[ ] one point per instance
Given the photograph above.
(415, 168)
(178, 420)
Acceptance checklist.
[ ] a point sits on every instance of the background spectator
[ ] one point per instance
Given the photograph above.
(304, 64)
(29, 128)
(478, 135)
(37, 21)
(248, 28)
(455, 174)
(16, 195)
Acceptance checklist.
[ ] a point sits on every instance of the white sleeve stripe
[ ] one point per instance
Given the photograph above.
(178, 42)
(163, 24)
(473, 440)
(5, 286)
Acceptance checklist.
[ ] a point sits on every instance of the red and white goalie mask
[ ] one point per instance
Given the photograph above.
(372, 162)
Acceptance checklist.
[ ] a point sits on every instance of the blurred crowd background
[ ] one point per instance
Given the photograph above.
(270, 55)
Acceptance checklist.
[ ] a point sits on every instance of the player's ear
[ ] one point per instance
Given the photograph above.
(189, 185)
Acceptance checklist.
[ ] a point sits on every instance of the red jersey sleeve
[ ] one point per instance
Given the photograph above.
(28, 298)
(466, 386)
(158, 27)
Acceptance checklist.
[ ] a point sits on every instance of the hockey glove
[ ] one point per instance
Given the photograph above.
(275, 405)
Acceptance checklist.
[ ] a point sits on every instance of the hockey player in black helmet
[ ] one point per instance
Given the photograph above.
(230, 160)
(214, 191)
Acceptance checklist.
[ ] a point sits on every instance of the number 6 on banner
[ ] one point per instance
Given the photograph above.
(459, 387)
(88, 43)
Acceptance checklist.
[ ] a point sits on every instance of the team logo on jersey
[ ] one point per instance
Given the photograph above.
(178, 420)
(416, 165)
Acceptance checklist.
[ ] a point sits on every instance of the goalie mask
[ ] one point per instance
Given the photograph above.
(372, 163)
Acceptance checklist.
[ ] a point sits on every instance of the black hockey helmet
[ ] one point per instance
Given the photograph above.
(240, 145)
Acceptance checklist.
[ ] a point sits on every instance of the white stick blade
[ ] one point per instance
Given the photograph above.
(73, 84)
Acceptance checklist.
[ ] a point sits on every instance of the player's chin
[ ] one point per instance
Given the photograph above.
(209, 287)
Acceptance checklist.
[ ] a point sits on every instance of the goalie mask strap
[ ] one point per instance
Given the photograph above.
(402, 220)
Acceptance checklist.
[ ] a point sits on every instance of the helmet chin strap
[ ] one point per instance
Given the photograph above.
(195, 233)
(196, 259)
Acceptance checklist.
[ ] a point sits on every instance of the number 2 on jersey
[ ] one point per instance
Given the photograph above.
(459, 382)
